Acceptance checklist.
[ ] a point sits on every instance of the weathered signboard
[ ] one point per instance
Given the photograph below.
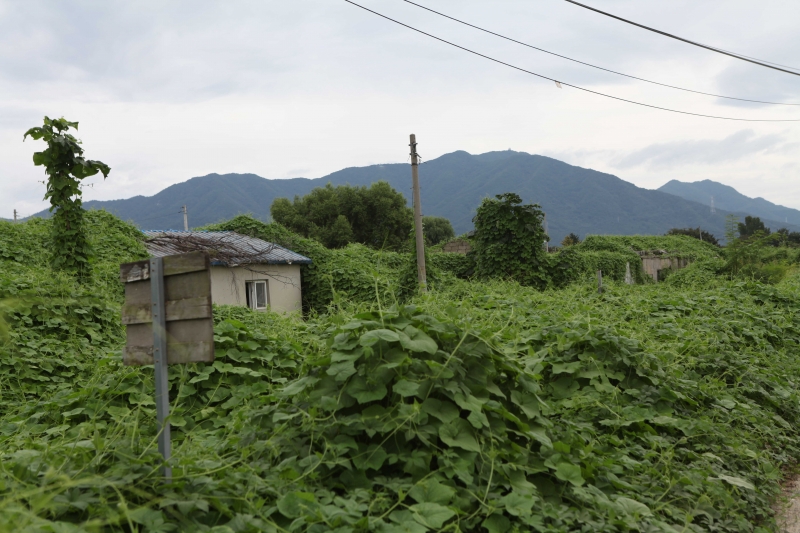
(187, 303)
(168, 320)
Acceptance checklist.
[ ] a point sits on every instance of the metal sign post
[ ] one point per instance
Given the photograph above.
(168, 320)
(159, 314)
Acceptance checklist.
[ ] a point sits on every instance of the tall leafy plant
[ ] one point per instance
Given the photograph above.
(65, 167)
(509, 240)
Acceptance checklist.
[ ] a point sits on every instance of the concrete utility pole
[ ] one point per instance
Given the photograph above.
(421, 275)
(546, 243)
(15, 216)
(185, 220)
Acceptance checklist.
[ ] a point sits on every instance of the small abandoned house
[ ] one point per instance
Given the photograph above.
(245, 271)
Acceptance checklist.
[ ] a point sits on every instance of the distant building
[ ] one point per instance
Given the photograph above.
(658, 263)
(458, 246)
(245, 271)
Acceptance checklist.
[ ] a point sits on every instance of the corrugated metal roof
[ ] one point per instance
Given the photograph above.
(253, 250)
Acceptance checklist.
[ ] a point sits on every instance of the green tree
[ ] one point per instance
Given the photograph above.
(570, 240)
(783, 237)
(751, 226)
(376, 216)
(509, 240)
(697, 233)
(65, 167)
(436, 230)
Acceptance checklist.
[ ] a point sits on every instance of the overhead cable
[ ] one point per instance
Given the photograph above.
(562, 82)
(767, 64)
(589, 64)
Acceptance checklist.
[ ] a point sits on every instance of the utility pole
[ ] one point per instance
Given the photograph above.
(546, 243)
(15, 216)
(421, 275)
(185, 220)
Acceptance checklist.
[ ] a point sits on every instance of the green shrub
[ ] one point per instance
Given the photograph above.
(509, 241)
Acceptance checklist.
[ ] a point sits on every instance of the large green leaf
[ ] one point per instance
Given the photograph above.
(737, 481)
(570, 473)
(431, 490)
(497, 523)
(364, 390)
(372, 337)
(517, 504)
(432, 515)
(459, 433)
(443, 410)
(416, 340)
(632, 507)
(297, 504)
(405, 388)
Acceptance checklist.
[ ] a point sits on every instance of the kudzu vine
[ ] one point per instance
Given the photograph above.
(65, 167)
(509, 240)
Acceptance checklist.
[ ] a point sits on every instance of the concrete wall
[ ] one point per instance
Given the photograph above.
(457, 247)
(652, 264)
(283, 285)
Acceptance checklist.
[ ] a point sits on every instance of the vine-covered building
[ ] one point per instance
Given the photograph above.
(245, 271)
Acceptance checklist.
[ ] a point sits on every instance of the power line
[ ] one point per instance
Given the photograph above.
(564, 83)
(589, 64)
(768, 64)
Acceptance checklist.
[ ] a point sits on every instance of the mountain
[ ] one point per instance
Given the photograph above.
(729, 199)
(576, 199)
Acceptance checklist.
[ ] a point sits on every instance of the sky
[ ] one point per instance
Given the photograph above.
(165, 91)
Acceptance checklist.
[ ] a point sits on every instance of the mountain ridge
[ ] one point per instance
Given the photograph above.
(576, 200)
(729, 199)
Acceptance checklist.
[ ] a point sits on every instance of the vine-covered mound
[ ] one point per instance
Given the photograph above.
(413, 424)
(482, 407)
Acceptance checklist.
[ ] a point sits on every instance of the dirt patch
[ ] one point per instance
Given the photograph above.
(787, 509)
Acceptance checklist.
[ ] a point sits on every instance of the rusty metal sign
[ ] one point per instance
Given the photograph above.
(187, 302)
(168, 320)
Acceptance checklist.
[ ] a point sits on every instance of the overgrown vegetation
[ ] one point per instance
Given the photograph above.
(482, 406)
(509, 240)
(697, 233)
(437, 230)
(65, 167)
(375, 216)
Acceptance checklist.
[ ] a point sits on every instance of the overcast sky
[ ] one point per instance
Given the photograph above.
(165, 91)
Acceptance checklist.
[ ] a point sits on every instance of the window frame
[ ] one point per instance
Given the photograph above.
(251, 293)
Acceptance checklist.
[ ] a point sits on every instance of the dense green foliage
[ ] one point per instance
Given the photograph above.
(65, 167)
(697, 233)
(375, 216)
(570, 240)
(437, 230)
(784, 237)
(509, 240)
(752, 226)
(478, 407)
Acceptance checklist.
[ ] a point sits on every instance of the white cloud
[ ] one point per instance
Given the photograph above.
(740, 145)
(166, 91)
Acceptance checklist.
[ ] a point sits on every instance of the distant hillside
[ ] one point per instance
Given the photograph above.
(729, 199)
(575, 199)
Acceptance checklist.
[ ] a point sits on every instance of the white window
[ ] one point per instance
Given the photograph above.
(257, 294)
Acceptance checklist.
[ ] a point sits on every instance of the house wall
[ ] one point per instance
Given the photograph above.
(458, 247)
(283, 282)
